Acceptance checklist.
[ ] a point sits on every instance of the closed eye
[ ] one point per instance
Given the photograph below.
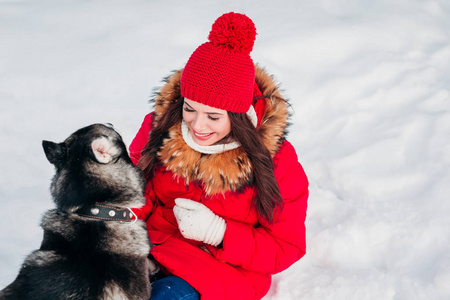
(188, 109)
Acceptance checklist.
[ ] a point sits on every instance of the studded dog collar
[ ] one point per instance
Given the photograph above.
(107, 213)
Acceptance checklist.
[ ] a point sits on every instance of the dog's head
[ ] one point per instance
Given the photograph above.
(93, 167)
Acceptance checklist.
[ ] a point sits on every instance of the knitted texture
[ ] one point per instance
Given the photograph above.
(220, 73)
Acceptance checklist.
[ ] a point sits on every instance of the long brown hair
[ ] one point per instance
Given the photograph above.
(149, 157)
(267, 199)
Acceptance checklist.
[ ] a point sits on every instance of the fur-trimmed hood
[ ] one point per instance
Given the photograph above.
(215, 171)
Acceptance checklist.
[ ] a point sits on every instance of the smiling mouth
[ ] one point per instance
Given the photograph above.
(202, 136)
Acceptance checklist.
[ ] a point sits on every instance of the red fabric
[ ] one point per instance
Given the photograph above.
(220, 73)
(252, 250)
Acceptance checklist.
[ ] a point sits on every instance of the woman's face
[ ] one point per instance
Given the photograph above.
(207, 124)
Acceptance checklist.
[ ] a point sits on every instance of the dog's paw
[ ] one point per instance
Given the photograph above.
(153, 266)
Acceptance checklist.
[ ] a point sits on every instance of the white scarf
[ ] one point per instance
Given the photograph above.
(213, 149)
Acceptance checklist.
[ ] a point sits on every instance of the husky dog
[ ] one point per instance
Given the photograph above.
(93, 247)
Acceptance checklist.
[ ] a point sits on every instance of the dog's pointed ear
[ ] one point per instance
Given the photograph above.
(55, 153)
(104, 150)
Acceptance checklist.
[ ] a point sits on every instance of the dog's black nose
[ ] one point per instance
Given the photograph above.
(109, 125)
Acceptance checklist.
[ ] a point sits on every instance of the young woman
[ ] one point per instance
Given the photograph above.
(226, 195)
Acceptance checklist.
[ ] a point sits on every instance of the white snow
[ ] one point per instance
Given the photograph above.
(369, 83)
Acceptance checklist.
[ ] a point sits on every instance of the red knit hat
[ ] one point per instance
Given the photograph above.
(220, 73)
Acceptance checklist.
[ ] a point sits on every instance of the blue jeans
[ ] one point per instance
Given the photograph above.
(173, 288)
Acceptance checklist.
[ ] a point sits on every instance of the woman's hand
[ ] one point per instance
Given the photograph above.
(199, 223)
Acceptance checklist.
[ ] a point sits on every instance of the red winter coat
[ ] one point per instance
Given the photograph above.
(252, 249)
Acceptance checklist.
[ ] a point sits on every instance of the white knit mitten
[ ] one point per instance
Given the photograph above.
(199, 223)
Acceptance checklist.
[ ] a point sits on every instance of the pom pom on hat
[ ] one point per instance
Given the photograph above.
(220, 73)
(233, 31)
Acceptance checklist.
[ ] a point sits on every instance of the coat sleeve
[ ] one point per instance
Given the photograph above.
(136, 146)
(271, 248)
(141, 139)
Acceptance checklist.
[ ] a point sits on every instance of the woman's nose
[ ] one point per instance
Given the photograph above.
(199, 123)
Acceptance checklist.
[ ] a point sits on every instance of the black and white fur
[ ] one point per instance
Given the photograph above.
(82, 258)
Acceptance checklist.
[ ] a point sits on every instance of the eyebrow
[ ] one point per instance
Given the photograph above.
(209, 113)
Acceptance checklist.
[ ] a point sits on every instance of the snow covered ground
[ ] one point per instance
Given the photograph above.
(369, 82)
